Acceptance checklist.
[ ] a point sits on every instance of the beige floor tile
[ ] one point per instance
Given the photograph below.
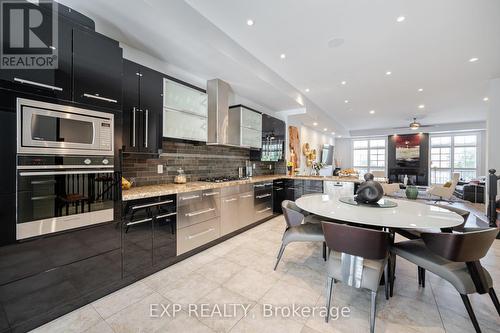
(102, 327)
(258, 320)
(286, 294)
(221, 297)
(307, 329)
(122, 298)
(220, 270)
(241, 256)
(188, 289)
(303, 276)
(184, 323)
(74, 322)
(455, 323)
(137, 317)
(408, 312)
(356, 321)
(448, 298)
(251, 283)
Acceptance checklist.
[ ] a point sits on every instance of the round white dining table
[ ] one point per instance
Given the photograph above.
(407, 214)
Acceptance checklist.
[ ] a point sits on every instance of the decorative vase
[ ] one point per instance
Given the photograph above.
(411, 192)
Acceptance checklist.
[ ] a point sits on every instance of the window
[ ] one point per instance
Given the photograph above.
(453, 153)
(369, 155)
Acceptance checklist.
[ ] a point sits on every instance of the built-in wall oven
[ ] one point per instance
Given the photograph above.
(65, 168)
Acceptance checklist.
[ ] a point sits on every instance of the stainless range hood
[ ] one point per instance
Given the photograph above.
(219, 93)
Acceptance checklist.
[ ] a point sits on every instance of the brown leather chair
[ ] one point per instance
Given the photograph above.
(455, 258)
(417, 234)
(371, 245)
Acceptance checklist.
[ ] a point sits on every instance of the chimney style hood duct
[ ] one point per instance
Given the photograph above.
(219, 93)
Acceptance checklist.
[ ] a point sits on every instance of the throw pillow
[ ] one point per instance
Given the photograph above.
(447, 184)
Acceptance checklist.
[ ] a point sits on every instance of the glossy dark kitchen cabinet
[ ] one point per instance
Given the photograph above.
(142, 108)
(58, 273)
(273, 141)
(54, 83)
(149, 233)
(279, 194)
(33, 300)
(97, 69)
(24, 259)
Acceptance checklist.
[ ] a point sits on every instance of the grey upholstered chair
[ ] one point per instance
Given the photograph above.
(455, 258)
(371, 245)
(417, 234)
(298, 229)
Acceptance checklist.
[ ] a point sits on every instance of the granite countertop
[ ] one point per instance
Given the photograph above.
(149, 191)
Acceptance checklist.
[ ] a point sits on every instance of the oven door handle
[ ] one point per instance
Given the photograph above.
(43, 197)
(54, 173)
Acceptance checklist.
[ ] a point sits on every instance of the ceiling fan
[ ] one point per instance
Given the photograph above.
(414, 125)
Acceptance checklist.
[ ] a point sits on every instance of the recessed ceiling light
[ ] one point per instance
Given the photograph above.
(315, 124)
(388, 73)
(372, 111)
(307, 90)
(421, 106)
(486, 99)
(250, 22)
(473, 59)
(333, 133)
(343, 83)
(400, 19)
(346, 101)
(420, 89)
(340, 136)
(325, 129)
(283, 56)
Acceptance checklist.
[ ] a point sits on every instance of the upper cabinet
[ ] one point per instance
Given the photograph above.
(54, 83)
(88, 71)
(245, 127)
(97, 69)
(185, 113)
(273, 140)
(142, 108)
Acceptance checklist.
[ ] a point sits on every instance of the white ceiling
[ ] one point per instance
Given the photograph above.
(179, 36)
(429, 50)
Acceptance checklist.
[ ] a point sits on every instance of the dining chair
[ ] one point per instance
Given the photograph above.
(371, 245)
(298, 229)
(455, 258)
(417, 234)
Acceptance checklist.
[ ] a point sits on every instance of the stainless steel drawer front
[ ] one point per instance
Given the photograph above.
(197, 207)
(197, 235)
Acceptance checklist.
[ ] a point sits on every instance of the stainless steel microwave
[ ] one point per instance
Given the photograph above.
(53, 129)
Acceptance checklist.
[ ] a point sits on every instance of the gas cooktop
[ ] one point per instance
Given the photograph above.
(222, 179)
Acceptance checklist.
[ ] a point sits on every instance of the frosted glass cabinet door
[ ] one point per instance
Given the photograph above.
(251, 119)
(183, 125)
(251, 138)
(182, 98)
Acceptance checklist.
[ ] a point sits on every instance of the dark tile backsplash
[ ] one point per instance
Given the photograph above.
(196, 159)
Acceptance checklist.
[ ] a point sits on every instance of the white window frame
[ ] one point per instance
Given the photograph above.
(452, 168)
(370, 167)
